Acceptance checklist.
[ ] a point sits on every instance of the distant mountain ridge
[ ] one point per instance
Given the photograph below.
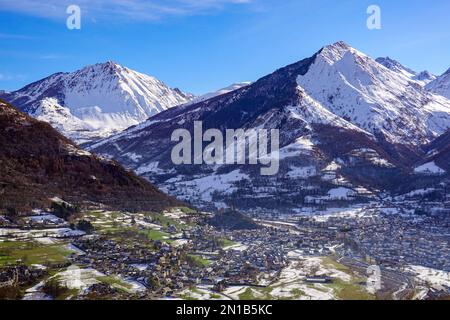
(96, 101)
(441, 85)
(230, 88)
(423, 77)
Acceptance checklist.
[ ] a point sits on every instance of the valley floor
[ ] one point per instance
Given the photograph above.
(176, 255)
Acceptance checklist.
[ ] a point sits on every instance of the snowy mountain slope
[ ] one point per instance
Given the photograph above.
(96, 101)
(423, 77)
(429, 168)
(396, 66)
(61, 119)
(441, 85)
(355, 87)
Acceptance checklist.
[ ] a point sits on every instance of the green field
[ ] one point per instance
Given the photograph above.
(187, 210)
(224, 243)
(352, 290)
(247, 295)
(32, 253)
(116, 283)
(166, 221)
(198, 261)
(130, 235)
(157, 235)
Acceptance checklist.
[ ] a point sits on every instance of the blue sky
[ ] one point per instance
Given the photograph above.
(203, 45)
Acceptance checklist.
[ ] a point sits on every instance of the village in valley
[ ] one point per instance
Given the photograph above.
(67, 252)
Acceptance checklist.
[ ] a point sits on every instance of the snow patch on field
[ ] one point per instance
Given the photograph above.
(301, 146)
(292, 278)
(80, 279)
(19, 234)
(341, 193)
(133, 156)
(151, 167)
(429, 168)
(291, 282)
(432, 277)
(333, 166)
(205, 186)
(236, 247)
(301, 172)
(353, 212)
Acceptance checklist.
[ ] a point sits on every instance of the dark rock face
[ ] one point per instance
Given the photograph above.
(38, 163)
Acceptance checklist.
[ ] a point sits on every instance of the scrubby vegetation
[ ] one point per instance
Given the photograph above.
(55, 289)
(36, 163)
(232, 220)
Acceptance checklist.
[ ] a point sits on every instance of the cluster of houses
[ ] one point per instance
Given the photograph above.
(397, 241)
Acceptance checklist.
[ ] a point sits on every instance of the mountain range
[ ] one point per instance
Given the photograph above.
(350, 128)
(96, 101)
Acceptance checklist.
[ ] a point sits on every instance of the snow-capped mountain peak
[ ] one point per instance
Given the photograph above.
(133, 93)
(335, 52)
(102, 99)
(373, 97)
(425, 76)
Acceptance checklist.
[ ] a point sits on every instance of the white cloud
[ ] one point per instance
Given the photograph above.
(119, 9)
